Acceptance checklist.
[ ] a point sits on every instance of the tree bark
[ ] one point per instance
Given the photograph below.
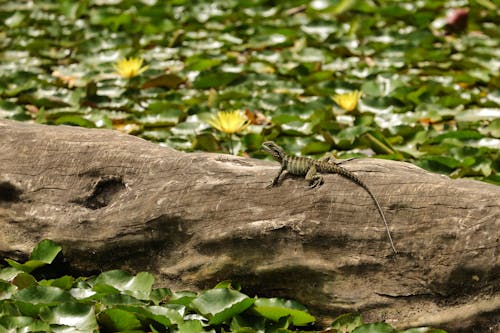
(193, 219)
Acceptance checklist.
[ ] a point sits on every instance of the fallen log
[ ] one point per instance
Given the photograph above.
(114, 201)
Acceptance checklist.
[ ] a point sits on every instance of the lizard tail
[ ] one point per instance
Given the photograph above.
(383, 218)
(358, 181)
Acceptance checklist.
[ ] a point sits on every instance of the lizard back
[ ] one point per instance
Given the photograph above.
(327, 167)
(298, 165)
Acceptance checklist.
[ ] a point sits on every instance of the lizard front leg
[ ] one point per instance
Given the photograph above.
(276, 179)
(313, 178)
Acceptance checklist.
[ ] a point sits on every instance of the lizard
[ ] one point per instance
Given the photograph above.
(308, 167)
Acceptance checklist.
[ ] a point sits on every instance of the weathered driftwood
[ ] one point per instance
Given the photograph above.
(116, 201)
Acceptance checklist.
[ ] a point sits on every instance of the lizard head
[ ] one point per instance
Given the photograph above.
(276, 151)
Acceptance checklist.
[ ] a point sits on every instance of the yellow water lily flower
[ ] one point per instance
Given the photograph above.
(229, 122)
(128, 68)
(348, 101)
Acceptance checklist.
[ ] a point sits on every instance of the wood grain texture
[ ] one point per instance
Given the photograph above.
(117, 201)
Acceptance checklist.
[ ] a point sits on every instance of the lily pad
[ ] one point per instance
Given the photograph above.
(221, 304)
(276, 308)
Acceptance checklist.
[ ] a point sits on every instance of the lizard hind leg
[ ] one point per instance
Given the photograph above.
(313, 178)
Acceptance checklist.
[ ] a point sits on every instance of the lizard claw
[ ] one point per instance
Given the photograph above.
(272, 184)
(316, 183)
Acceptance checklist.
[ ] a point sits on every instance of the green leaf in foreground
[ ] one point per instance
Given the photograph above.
(375, 328)
(64, 282)
(78, 315)
(138, 286)
(160, 314)
(28, 266)
(43, 295)
(116, 320)
(276, 308)
(160, 294)
(44, 253)
(221, 304)
(22, 324)
(182, 297)
(24, 280)
(6, 292)
(347, 322)
(191, 326)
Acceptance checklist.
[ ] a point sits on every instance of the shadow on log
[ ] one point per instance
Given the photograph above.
(115, 201)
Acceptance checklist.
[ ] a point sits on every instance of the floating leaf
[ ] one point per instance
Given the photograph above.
(22, 324)
(64, 282)
(161, 114)
(28, 266)
(159, 314)
(6, 290)
(317, 147)
(221, 304)
(138, 286)
(460, 135)
(24, 280)
(44, 253)
(117, 299)
(160, 294)
(170, 81)
(375, 328)
(74, 120)
(43, 295)
(191, 326)
(182, 297)
(442, 164)
(276, 308)
(116, 320)
(214, 79)
(493, 129)
(347, 322)
(78, 315)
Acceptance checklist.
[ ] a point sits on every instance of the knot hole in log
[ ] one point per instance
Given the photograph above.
(103, 192)
(9, 192)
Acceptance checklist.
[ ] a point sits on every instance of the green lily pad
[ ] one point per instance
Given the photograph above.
(6, 290)
(24, 280)
(276, 308)
(182, 297)
(78, 315)
(347, 322)
(192, 326)
(170, 81)
(44, 253)
(158, 314)
(221, 304)
(64, 282)
(47, 295)
(375, 328)
(23, 324)
(138, 286)
(116, 320)
(214, 79)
